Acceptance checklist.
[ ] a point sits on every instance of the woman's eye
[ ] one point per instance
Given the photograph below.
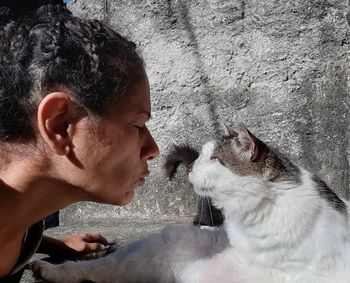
(139, 127)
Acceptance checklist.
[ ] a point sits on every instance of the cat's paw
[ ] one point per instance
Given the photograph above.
(51, 272)
(43, 270)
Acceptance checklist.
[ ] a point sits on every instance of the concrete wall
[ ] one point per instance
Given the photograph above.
(282, 67)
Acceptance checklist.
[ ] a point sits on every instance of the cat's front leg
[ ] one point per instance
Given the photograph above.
(224, 267)
(67, 272)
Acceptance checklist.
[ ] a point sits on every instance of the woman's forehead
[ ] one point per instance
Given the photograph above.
(136, 101)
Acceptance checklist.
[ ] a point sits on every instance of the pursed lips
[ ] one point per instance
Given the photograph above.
(143, 176)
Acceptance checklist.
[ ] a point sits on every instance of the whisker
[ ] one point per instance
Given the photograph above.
(202, 208)
(210, 211)
(198, 210)
(197, 205)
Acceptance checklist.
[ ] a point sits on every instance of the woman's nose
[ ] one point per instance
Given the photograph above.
(150, 149)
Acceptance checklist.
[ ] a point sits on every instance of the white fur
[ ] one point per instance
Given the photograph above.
(284, 229)
(279, 232)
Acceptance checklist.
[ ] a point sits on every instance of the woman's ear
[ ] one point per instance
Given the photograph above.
(55, 121)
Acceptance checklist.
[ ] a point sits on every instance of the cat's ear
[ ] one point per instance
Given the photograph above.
(251, 146)
(229, 132)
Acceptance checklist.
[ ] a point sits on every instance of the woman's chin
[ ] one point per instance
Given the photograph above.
(119, 200)
(128, 197)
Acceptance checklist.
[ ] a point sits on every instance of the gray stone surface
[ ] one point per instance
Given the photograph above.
(282, 67)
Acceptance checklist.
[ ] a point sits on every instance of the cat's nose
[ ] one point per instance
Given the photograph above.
(189, 167)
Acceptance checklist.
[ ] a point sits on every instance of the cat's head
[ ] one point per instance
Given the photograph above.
(239, 164)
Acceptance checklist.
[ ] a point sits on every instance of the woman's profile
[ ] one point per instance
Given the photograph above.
(74, 101)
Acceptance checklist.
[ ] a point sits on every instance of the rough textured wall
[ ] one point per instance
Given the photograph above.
(282, 67)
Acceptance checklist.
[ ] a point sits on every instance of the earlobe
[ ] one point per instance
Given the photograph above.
(54, 120)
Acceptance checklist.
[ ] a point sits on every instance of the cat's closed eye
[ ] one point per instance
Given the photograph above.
(215, 158)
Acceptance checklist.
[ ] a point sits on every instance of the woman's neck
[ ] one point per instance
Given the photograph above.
(27, 197)
(29, 194)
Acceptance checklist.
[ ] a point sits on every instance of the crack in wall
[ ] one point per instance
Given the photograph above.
(203, 77)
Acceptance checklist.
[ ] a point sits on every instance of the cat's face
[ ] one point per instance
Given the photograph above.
(238, 162)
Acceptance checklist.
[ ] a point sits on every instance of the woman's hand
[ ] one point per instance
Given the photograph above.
(74, 245)
(85, 243)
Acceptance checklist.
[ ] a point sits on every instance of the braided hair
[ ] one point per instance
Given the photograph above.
(44, 48)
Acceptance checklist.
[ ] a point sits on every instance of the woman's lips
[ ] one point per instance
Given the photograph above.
(142, 179)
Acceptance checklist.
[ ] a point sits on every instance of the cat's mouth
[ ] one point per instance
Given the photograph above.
(189, 167)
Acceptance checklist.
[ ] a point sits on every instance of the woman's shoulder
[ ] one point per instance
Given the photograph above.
(31, 242)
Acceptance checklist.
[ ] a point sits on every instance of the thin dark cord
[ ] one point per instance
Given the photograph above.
(210, 211)
(202, 207)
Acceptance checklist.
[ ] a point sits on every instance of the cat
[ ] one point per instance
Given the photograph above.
(207, 214)
(282, 225)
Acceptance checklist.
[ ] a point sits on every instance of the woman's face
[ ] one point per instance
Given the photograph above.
(115, 156)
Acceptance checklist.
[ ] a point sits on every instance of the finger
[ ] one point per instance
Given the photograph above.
(95, 238)
(94, 247)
